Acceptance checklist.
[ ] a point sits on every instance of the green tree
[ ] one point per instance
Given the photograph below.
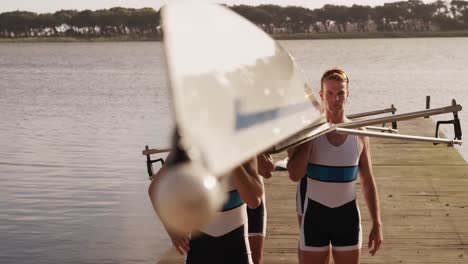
(391, 16)
(278, 18)
(337, 14)
(256, 15)
(18, 23)
(460, 12)
(360, 16)
(64, 18)
(421, 14)
(44, 23)
(298, 19)
(322, 17)
(84, 22)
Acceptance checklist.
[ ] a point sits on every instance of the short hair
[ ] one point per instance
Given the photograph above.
(334, 74)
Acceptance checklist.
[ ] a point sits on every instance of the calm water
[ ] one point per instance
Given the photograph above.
(75, 117)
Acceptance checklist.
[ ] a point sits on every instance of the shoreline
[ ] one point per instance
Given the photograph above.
(372, 35)
(80, 39)
(296, 36)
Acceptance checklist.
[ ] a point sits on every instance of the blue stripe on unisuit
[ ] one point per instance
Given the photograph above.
(234, 201)
(332, 174)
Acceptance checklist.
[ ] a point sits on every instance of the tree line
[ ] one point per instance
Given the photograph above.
(412, 15)
(72, 23)
(405, 16)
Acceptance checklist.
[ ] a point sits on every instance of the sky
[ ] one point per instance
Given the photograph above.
(50, 6)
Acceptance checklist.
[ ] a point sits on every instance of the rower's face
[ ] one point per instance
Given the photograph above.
(334, 95)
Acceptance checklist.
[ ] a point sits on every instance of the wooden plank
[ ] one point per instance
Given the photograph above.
(423, 197)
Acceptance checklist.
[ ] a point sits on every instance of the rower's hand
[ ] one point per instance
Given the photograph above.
(265, 165)
(180, 242)
(375, 239)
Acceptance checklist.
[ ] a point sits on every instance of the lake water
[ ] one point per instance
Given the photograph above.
(75, 117)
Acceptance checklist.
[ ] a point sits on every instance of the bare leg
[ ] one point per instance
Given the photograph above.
(315, 257)
(256, 246)
(346, 257)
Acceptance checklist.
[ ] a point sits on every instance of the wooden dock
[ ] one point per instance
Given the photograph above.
(423, 193)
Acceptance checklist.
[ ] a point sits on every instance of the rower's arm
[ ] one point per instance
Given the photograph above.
(247, 182)
(368, 183)
(370, 194)
(298, 158)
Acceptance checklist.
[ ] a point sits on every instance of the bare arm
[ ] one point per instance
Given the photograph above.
(298, 158)
(248, 183)
(265, 165)
(370, 194)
